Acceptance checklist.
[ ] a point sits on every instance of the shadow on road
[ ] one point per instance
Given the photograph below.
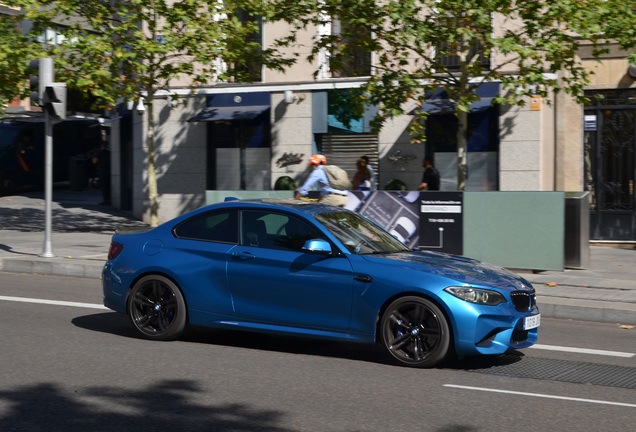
(117, 324)
(165, 405)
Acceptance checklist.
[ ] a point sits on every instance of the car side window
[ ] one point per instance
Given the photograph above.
(275, 230)
(297, 232)
(254, 230)
(219, 226)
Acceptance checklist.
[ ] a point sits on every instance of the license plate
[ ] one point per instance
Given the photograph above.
(531, 322)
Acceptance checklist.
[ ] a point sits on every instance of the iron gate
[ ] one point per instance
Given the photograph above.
(610, 165)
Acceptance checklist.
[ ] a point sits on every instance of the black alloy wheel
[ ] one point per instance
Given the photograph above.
(415, 332)
(156, 308)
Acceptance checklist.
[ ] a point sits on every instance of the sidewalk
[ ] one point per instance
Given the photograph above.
(82, 229)
(80, 238)
(604, 292)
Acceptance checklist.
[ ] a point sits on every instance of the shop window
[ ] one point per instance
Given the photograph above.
(483, 149)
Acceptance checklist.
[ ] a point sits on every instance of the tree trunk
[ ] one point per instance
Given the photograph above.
(152, 173)
(462, 150)
(462, 117)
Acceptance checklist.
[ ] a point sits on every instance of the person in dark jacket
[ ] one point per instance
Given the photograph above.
(431, 177)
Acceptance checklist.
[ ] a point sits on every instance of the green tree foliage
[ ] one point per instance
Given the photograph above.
(530, 46)
(15, 50)
(132, 49)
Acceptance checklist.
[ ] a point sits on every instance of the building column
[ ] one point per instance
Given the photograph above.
(569, 157)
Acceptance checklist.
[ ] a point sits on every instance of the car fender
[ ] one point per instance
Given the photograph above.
(371, 296)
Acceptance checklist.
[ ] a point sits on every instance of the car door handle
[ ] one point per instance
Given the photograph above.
(243, 255)
(364, 278)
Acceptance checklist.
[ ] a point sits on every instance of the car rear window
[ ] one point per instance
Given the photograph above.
(218, 226)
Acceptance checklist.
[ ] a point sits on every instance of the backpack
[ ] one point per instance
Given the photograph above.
(338, 178)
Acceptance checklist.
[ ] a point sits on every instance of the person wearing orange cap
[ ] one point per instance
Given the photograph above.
(328, 195)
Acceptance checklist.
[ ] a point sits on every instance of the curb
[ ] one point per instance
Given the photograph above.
(587, 310)
(54, 266)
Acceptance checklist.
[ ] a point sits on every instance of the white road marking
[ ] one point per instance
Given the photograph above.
(623, 404)
(584, 351)
(53, 302)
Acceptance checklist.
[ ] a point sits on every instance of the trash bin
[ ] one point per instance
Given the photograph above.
(77, 174)
(577, 230)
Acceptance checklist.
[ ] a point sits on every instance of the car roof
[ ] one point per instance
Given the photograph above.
(296, 206)
(299, 207)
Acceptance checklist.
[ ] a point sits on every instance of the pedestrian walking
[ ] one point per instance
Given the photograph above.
(431, 177)
(372, 179)
(362, 177)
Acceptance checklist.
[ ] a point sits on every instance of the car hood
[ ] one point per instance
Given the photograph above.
(460, 269)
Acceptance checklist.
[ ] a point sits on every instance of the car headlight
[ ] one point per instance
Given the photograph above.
(477, 295)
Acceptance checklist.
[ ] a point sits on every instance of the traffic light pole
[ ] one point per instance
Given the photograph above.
(52, 97)
(46, 77)
(47, 249)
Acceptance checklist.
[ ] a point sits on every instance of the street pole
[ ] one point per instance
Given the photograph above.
(46, 77)
(47, 250)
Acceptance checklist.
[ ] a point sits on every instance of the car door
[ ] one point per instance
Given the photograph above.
(273, 281)
(199, 253)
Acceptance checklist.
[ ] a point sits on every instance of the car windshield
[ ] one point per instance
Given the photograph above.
(359, 234)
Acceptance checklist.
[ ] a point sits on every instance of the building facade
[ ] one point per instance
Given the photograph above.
(249, 136)
(556, 146)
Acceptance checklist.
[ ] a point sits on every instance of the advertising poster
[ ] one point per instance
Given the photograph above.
(441, 222)
(425, 220)
(396, 211)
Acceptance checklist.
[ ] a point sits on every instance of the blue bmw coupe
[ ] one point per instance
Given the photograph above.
(307, 269)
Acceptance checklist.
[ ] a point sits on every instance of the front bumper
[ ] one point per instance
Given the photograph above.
(490, 329)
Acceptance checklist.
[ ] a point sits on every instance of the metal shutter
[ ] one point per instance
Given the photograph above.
(345, 150)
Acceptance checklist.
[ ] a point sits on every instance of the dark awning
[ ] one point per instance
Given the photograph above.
(247, 112)
(438, 103)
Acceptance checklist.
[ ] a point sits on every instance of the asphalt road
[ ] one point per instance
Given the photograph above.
(79, 367)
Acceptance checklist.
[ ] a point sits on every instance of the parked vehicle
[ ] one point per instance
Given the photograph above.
(308, 269)
(22, 150)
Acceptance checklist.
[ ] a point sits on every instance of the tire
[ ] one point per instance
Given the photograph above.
(156, 308)
(415, 332)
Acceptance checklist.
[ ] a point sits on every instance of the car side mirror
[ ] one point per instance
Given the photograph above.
(317, 246)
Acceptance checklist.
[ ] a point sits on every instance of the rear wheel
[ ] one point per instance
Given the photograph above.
(415, 332)
(156, 308)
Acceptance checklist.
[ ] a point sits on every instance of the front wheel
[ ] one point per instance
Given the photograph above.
(415, 332)
(156, 308)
